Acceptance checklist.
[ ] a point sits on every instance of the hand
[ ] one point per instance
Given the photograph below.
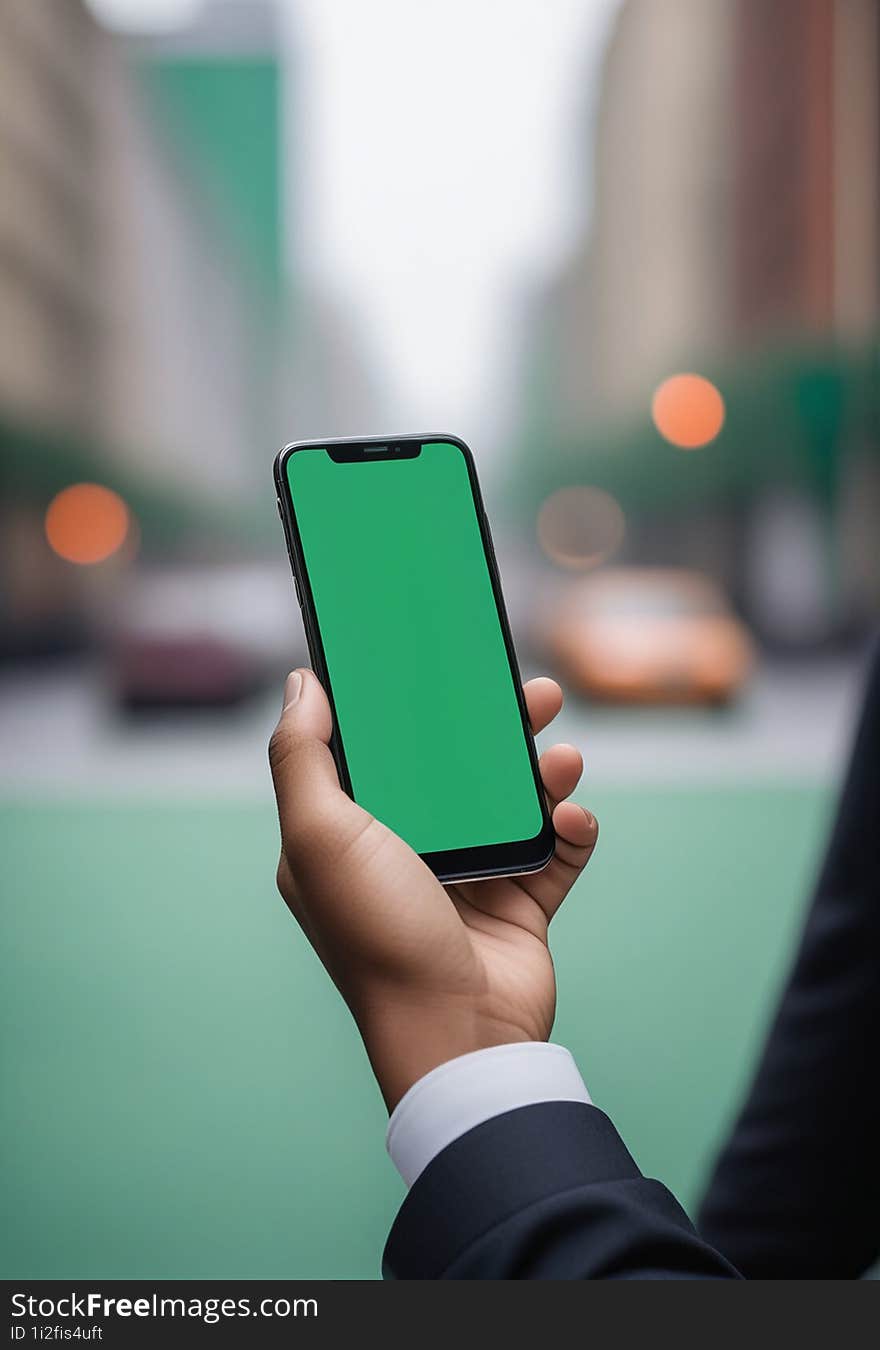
(429, 971)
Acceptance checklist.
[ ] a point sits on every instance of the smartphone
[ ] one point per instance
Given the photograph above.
(397, 580)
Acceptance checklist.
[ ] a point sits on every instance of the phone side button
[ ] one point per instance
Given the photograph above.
(493, 557)
(299, 599)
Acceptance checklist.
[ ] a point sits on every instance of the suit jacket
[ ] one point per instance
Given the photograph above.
(796, 1190)
(547, 1192)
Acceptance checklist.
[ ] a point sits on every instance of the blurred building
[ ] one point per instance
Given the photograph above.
(735, 231)
(736, 189)
(651, 281)
(806, 264)
(216, 87)
(197, 162)
(185, 328)
(138, 298)
(806, 163)
(131, 318)
(50, 212)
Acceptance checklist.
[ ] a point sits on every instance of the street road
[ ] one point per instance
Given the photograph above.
(60, 735)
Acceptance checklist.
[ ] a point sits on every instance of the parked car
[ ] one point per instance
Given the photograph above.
(646, 635)
(202, 636)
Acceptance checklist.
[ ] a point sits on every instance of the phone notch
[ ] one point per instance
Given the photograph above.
(356, 452)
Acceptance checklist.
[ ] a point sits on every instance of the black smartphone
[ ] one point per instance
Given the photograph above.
(401, 598)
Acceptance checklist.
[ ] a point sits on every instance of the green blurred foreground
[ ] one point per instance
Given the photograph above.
(185, 1096)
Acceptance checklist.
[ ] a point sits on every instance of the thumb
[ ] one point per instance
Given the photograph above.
(303, 770)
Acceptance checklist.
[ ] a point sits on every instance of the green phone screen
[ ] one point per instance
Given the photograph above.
(424, 692)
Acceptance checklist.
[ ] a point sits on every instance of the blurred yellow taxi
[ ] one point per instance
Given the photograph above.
(650, 635)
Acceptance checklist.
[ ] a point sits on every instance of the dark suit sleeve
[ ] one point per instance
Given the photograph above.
(796, 1191)
(547, 1192)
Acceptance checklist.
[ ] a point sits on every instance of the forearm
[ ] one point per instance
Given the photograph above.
(517, 1176)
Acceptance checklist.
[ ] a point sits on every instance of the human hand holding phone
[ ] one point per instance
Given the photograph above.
(428, 971)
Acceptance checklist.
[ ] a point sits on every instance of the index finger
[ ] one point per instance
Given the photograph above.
(543, 701)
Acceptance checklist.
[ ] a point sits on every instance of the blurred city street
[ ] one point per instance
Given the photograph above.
(61, 738)
(629, 250)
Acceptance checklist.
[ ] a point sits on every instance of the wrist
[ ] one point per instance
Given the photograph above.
(405, 1040)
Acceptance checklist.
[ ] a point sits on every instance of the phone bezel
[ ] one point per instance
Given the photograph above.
(449, 865)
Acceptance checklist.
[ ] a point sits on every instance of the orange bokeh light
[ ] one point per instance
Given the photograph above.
(688, 411)
(86, 523)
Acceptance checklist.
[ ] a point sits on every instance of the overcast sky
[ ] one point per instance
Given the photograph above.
(440, 167)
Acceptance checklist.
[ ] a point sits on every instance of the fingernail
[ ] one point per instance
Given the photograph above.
(292, 689)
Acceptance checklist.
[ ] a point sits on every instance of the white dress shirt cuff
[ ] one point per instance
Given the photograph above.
(464, 1092)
